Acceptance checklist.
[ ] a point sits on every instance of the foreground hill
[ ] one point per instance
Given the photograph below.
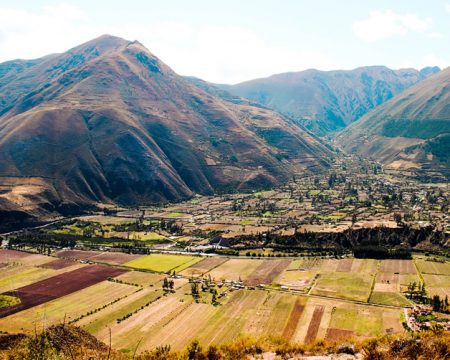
(410, 132)
(68, 342)
(326, 101)
(108, 121)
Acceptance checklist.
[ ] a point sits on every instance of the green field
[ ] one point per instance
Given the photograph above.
(110, 315)
(175, 215)
(436, 280)
(388, 298)
(362, 321)
(151, 236)
(433, 267)
(163, 262)
(246, 222)
(6, 300)
(350, 286)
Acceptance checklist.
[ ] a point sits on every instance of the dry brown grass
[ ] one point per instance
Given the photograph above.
(64, 342)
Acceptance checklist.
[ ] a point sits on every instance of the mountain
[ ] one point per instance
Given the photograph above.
(410, 132)
(327, 101)
(107, 121)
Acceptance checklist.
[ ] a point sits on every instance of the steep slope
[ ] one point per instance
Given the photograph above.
(108, 121)
(326, 101)
(410, 132)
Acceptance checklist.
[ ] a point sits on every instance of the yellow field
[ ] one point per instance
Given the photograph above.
(163, 262)
(67, 307)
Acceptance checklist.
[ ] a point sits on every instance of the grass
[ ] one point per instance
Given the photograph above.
(267, 193)
(163, 262)
(175, 214)
(23, 276)
(333, 216)
(297, 279)
(6, 301)
(350, 286)
(151, 236)
(433, 281)
(368, 266)
(110, 315)
(246, 222)
(363, 321)
(67, 307)
(388, 298)
(140, 278)
(306, 264)
(433, 267)
(227, 324)
(280, 315)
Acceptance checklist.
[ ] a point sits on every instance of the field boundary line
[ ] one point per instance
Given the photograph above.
(418, 271)
(352, 301)
(313, 284)
(205, 273)
(374, 280)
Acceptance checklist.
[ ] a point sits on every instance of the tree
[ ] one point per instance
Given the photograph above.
(214, 297)
(436, 303)
(194, 290)
(165, 285)
(194, 350)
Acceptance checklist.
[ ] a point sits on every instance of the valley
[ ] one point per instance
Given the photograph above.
(146, 214)
(289, 262)
(312, 213)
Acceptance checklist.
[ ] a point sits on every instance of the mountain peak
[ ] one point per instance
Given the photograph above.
(114, 123)
(102, 44)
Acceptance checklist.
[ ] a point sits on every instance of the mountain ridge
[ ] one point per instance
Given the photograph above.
(108, 121)
(409, 132)
(327, 101)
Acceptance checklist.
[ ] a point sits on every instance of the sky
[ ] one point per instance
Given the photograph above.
(230, 41)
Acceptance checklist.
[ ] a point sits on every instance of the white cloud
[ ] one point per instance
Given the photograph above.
(434, 60)
(216, 53)
(447, 6)
(52, 29)
(228, 54)
(429, 59)
(435, 35)
(382, 25)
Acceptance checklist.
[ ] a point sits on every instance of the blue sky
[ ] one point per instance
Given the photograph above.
(232, 41)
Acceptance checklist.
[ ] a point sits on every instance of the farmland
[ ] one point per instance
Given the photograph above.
(313, 214)
(302, 300)
(163, 263)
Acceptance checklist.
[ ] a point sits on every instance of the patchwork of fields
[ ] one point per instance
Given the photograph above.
(302, 300)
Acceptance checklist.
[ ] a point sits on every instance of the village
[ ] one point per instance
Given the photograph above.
(355, 195)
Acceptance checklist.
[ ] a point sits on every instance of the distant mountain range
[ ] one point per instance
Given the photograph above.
(410, 132)
(107, 121)
(328, 101)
